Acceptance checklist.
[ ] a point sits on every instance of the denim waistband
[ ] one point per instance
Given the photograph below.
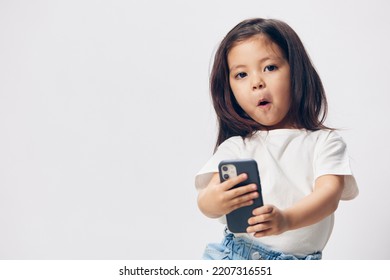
(245, 248)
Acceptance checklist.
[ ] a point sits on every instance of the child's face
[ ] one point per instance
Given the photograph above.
(260, 80)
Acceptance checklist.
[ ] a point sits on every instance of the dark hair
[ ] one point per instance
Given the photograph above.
(308, 102)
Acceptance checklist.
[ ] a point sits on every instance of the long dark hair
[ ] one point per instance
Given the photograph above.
(308, 101)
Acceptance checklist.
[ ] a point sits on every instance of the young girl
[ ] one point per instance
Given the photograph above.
(271, 106)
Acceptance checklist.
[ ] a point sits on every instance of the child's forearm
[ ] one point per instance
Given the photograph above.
(318, 205)
(323, 201)
(204, 205)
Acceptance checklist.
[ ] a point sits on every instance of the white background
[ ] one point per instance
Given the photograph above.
(105, 118)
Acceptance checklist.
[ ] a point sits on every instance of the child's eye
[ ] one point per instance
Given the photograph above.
(270, 68)
(241, 75)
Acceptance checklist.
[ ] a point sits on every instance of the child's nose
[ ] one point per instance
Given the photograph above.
(258, 83)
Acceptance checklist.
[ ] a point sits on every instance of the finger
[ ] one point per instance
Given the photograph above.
(244, 199)
(263, 210)
(236, 206)
(241, 191)
(260, 219)
(263, 233)
(231, 182)
(259, 227)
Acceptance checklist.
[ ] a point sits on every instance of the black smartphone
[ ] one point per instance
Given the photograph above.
(237, 220)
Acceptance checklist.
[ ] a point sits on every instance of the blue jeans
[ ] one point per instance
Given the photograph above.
(241, 248)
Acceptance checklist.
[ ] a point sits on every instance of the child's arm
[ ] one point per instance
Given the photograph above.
(218, 199)
(323, 201)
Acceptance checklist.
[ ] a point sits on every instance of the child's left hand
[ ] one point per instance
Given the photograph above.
(267, 220)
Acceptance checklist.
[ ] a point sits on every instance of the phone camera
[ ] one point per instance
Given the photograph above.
(226, 176)
(225, 168)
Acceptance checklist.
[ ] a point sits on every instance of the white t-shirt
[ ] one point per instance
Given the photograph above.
(289, 162)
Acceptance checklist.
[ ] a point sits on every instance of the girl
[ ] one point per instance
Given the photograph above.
(271, 106)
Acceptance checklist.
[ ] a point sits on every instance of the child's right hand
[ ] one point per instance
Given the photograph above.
(219, 199)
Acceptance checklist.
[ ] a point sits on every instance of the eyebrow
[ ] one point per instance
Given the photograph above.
(260, 61)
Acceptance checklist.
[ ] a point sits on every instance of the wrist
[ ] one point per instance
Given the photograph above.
(289, 219)
(204, 205)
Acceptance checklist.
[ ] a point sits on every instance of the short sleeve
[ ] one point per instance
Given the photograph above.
(332, 158)
(229, 149)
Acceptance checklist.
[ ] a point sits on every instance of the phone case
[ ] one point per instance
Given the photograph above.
(237, 220)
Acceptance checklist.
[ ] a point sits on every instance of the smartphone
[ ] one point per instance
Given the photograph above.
(237, 220)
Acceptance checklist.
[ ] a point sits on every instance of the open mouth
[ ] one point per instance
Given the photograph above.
(263, 103)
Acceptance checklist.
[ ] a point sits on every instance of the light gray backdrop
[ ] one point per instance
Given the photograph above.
(105, 118)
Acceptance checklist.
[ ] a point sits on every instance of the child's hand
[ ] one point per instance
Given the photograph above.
(267, 220)
(219, 199)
